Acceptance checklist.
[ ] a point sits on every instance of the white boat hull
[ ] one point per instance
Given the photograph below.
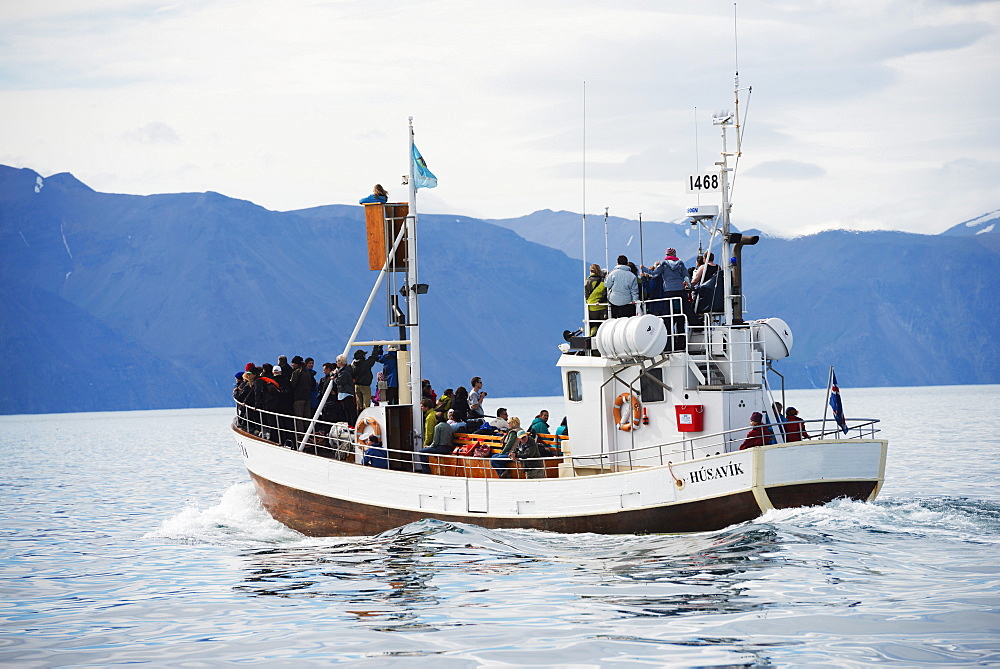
(324, 497)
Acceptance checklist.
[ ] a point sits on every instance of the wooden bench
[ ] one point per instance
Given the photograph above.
(473, 467)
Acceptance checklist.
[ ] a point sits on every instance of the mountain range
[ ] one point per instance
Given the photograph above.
(117, 302)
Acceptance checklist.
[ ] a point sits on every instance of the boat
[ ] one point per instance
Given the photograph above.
(658, 406)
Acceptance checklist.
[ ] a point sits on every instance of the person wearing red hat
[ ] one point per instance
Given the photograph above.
(755, 437)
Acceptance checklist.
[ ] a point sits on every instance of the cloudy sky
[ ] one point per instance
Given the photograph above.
(863, 113)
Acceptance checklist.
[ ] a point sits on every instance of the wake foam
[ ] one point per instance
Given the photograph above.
(953, 518)
(238, 518)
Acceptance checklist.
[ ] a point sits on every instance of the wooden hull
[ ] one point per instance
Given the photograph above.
(321, 497)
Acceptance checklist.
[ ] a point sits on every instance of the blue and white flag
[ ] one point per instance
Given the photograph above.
(837, 405)
(422, 177)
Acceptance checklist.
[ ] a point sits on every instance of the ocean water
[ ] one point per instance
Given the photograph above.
(136, 537)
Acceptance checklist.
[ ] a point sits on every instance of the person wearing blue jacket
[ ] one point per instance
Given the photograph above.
(673, 273)
(379, 194)
(390, 372)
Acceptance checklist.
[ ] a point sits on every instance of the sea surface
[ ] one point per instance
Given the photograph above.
(137, 538)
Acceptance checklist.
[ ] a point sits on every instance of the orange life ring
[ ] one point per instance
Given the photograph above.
(360, 427)
(631, 421)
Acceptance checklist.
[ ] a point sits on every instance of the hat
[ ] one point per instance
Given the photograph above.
(792, 410)
(239, 375)
(297, 360)
(276, 370)
(359, 355)
(671, 251)
(756, 416)
(249, 366)
(521, 433)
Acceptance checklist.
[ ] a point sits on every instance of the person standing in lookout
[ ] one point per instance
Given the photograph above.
(379, 194)
(623, 289)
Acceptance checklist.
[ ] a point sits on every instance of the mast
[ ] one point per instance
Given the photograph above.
(413, 320)
(725, 120)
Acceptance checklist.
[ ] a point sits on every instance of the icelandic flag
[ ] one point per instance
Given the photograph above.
(422, 177)
(837, 405)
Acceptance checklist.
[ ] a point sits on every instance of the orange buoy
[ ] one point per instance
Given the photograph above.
(630, 419)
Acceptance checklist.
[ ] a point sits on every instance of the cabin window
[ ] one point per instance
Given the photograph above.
(573, 386)
(650, 390)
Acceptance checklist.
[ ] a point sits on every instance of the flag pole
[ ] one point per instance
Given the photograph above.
(413, 316)
(826, 405)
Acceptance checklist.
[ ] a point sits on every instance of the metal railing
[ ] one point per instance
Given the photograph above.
(337, 441)
(728, 441)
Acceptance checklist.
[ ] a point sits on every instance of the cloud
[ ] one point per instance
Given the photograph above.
(302, 103)
(785, 170)
(156, 132)
(924, 39)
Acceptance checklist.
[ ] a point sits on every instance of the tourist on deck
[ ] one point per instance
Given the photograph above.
(541, 423)
(756, 436)
(460, 403)
(343, 379)
(379, 194)
(266, 397)
(375, 454)
(427, 391)
(501, 461)
(779, 419)
(329, 409)
(444, 402)
(595, 294)
(795, 428)
(699, 262)
(706, 271)
(363, 377)
(441, 442)
(500, 422)
(243, 394)
(563, 429)
(313, 395)
(673, 274)
(476, 398)
(390, 372)
(303, 382)
(622, 288)
(285, 398)
(430, 420)
(457, 424)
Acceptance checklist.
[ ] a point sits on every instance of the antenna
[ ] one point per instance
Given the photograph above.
(607, 262)
(642, 259)
(583, 220)
(737, 126)
(736, 78)
(697, 163)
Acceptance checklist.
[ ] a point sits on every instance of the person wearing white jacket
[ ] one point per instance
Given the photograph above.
(623, 289)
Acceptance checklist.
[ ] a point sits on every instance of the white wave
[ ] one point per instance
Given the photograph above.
(941, 518)
(237, 518)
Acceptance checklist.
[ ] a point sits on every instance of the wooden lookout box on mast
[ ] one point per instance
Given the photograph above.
(383, 221)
